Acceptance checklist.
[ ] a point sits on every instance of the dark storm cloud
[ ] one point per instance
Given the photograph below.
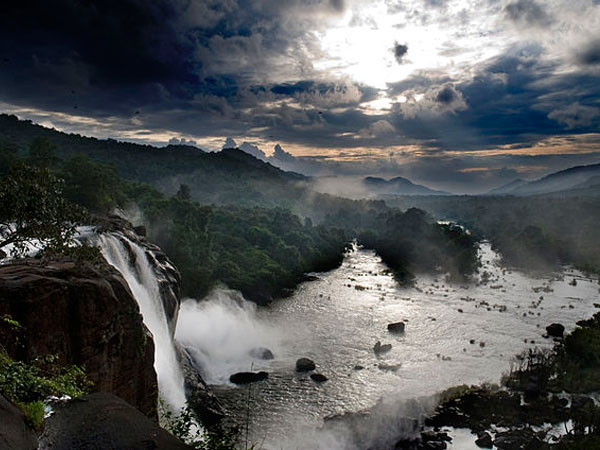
(446, 95)
(112, 57)
(590, 55)
(243, 68)
(528, 11)
(400, 51)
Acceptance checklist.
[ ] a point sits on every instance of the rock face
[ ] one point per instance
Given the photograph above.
(15, 434)
(200, 398)
(103, 421)
(85, 315)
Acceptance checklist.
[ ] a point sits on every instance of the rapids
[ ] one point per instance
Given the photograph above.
(455, 334)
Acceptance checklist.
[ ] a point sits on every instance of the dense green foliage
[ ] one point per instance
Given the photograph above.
(536, 231)
(230, 220)
(35, 210)
(261, 252)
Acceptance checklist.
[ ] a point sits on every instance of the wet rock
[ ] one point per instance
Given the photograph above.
(200, 398)
(85, 315)
(397, 327)
(248, 377)
(516, 439)
(15, 434)
(262, 353)
(103, 421)
(484, 440)
(305, 365)
(318, 377)
(379, 348)
(555, 330)
(140, 230)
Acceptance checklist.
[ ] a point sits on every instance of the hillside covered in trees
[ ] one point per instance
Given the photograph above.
(239, 221)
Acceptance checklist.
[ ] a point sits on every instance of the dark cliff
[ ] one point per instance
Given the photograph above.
(85, 315)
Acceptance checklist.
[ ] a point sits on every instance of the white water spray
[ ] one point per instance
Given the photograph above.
(221, 333)
(142, 281)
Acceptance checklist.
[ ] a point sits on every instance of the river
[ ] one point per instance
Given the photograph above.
(455, 334)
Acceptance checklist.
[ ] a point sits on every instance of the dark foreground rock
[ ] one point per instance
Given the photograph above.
(103, 421)
(248, 377)
(305, 365)
(555, 330)
(85, 315)
(15, 434)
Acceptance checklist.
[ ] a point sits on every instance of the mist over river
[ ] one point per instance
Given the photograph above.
(455, 334)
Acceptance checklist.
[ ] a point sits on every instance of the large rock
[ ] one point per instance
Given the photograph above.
(305, 365)
(103, 421)
(397, 327)
(86, 315)
(15, 434)
(248, 377)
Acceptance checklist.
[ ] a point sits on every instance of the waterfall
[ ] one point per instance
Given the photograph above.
(141, 279)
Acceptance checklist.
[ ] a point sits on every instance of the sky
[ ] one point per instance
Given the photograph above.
(462, 95)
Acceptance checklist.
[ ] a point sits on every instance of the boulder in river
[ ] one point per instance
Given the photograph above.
(262, 353)
(555, 330)
(484, 440)
(397, 327)
(380, 348)
(248, 377)
(318, 377)
(305, 365)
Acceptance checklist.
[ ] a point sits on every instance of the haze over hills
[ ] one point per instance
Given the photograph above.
(398, 186)
(578, 177)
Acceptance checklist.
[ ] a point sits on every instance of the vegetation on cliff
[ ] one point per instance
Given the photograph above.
(28, 385)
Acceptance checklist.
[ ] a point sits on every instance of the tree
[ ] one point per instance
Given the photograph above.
(34, 212)
(42, 153)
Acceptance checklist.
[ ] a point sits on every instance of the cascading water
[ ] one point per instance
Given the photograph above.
(141, 279)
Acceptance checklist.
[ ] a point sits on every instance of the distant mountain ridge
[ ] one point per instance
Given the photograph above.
(577, 177)
(228, 176)
(398, 186)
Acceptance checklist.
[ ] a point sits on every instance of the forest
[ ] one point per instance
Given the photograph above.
(264, 249)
